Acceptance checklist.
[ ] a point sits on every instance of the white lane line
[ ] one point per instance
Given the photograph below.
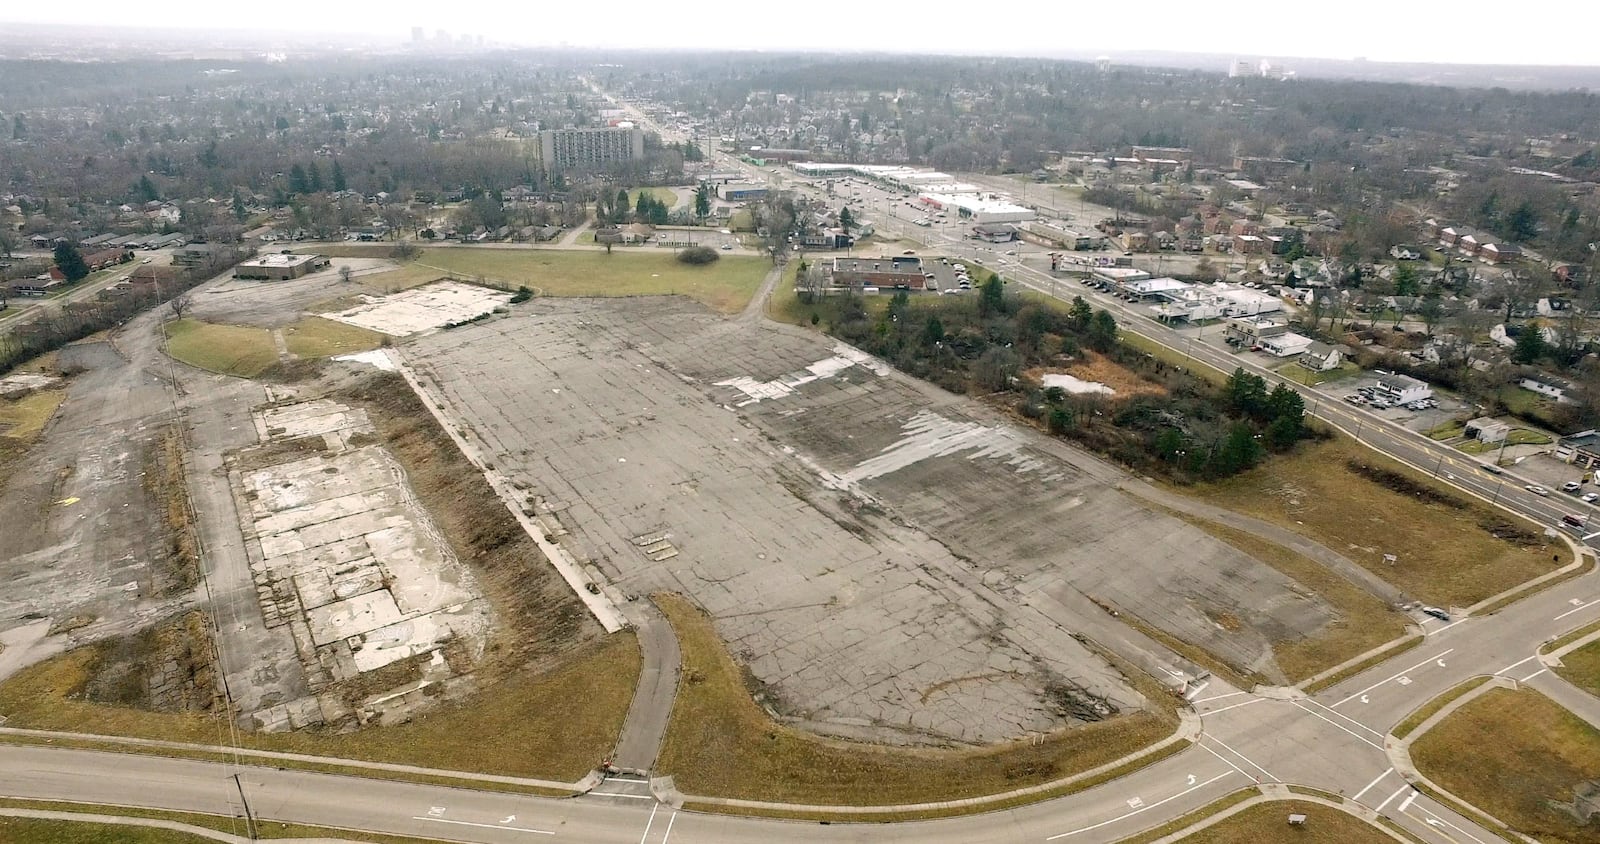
(1578, 608)
(1515, 664)
(1347, 718)
(670, 822)
(1270, 777)
(1144, 808)
(1235, 706)
(619, 794)
(649, 822)
(483, 825)
(1338, 726)
(1533, 675)
(1375, 781)
(1225, 760)
(1441, 655)
(1427, 632)
(1219, 697)
(1404, 804)
(1397, 792)
(1198, 689)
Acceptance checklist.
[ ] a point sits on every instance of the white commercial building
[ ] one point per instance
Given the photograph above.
(1285, 345)
(1238, 300)
(981, 207)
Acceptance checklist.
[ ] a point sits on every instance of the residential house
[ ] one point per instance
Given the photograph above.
(1548, 386)
(1405, 252)
(1249, 244)
(1498, 252)
(1320, 357)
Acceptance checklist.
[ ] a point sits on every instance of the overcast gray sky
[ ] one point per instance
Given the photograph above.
(1462, 31)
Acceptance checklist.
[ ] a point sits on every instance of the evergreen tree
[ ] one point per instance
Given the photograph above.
(146, 191)
(1530, 346)
(1079, 314)
(1102, 331)
(240, 212)
(314, 178)
(338, 177)
(70, 261)
(992, 297)
(702, 202)
(297, 179)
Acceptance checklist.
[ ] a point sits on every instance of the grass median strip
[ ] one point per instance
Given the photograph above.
(1518, 756)
(1269, 822)
(1415, 719)
(721, 743)
(1581, 666)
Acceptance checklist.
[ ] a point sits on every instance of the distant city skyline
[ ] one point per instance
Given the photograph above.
(1472, 32)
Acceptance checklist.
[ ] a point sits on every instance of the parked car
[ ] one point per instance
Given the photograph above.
(1537, 490)
(1572, 486)
(1591, 497)
(1435, 612)
(1355, 399)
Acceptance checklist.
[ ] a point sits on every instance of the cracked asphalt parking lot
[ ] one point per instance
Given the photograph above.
(890, 561)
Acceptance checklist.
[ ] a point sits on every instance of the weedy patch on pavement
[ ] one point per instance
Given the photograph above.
(1364, 622)
(1520, 757)
(721, 743)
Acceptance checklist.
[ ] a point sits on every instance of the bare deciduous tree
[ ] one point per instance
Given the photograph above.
(179, 305)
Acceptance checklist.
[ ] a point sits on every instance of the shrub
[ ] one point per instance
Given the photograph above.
(698, 255)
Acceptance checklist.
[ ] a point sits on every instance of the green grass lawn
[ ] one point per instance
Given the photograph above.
(725, 285)
(315, 337)
(1513, 754)
(229, 349)
(1300, 375)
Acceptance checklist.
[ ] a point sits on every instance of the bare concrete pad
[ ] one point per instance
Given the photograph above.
(344, 555)
(422, 308)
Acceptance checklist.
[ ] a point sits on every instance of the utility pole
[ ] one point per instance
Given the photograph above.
(249, 819)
